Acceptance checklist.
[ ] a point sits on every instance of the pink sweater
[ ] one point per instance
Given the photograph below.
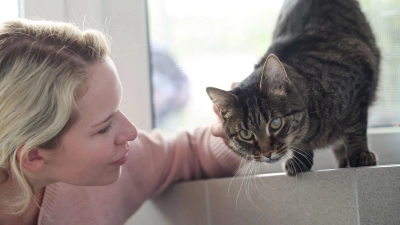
(154, 163)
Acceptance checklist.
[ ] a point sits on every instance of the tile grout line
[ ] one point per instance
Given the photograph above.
(207, 204)
(355, 192)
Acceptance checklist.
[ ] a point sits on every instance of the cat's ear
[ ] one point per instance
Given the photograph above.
(221, 99)
(274, 78)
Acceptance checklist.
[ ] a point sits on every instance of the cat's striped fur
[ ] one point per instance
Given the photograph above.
(311, 90)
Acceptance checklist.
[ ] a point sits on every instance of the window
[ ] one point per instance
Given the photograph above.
(210, 43)
(384, 18)
(9, 9)
(214, 43)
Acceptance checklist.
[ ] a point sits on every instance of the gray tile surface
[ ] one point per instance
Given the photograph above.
(366, 196)
(378, 190)
(321, 197)
(182, 204)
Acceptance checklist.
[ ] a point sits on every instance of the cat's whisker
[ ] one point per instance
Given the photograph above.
(301, 161)
(258, 172)
(299, 166)
(249, 184)
(304, 154)
(246, 187)
(255, 183)
(240, 188)
(256, 168)
(240, 168)
(291, 178)
(295, 186)
(274, 188)
(308, 158)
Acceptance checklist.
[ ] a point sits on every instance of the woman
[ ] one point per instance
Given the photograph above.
(64, 143)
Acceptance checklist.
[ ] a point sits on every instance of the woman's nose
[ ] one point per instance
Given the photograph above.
(133, 133)
(128, 131)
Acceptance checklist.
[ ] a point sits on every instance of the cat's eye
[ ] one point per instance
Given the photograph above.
(276, 123)
(246, 135)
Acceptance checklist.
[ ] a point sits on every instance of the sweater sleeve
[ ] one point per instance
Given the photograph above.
(189, 156)
(156, 161)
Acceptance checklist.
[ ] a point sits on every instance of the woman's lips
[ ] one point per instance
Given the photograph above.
(121, 161)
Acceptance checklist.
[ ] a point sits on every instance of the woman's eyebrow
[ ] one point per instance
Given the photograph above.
(107, 119)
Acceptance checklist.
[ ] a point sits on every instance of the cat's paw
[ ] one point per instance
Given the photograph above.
(362, 158)
(293, 167)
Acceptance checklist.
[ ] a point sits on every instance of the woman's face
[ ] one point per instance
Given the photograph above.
(94, 148)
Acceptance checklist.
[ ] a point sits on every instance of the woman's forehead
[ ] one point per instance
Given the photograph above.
(103, 95)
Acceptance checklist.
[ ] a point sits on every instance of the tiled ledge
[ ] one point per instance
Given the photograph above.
(367, 196)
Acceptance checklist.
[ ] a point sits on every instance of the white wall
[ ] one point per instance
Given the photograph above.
(126, 22)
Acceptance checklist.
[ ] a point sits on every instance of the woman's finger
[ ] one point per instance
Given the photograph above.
(234, 84)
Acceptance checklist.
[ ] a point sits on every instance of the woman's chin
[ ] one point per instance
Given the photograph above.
(106, 179)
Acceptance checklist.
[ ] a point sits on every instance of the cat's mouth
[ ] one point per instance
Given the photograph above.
(272, 160)
(262, 158)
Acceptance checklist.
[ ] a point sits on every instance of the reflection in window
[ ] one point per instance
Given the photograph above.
(170, 85)
(214, 43)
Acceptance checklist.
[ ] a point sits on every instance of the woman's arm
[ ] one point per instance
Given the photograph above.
(186, 156)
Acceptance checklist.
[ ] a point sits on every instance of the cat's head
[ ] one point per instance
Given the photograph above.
(264, 115)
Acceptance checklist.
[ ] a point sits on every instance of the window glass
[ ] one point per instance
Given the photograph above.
(196, 44)
(384, 17)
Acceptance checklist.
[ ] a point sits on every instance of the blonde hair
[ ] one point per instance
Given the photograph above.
(43, 72)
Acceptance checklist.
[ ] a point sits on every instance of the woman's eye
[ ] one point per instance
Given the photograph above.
(106, 129)
(246, 135)
(276, 123)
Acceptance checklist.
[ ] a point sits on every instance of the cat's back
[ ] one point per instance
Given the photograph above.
(343, 17)
(320, 24)
(328, 32)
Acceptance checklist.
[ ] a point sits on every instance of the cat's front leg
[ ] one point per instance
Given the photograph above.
(302, 161)
(357, 152)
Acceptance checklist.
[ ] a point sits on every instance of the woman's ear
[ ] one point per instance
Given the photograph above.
(32, 161)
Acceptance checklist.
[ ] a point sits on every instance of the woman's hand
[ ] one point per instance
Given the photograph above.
(216, 128)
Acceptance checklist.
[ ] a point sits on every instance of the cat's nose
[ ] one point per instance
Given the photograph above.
(268, 154)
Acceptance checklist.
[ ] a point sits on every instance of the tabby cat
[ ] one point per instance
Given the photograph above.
(311, 90)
